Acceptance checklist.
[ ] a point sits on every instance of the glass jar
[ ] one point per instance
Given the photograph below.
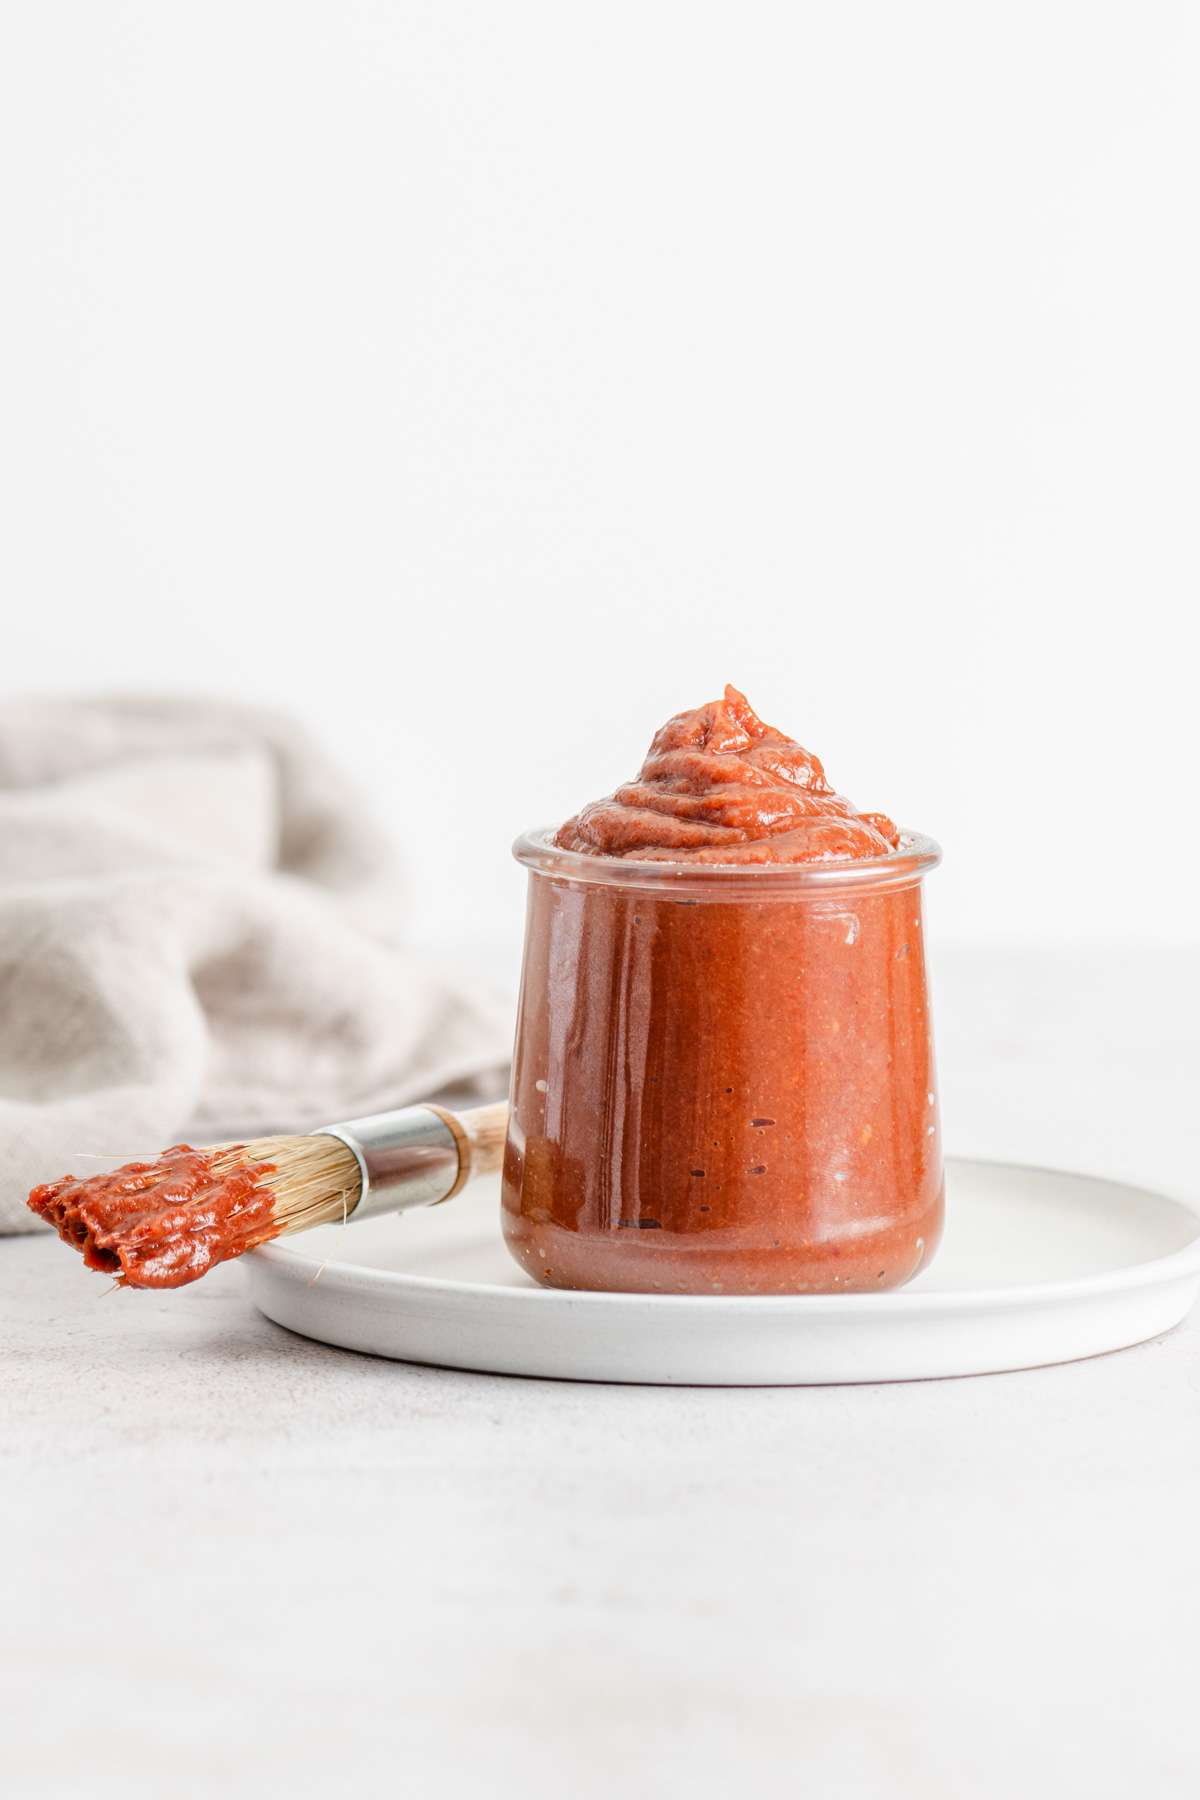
(723, 1079)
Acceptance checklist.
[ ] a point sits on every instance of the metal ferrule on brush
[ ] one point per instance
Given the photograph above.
(406, 1159)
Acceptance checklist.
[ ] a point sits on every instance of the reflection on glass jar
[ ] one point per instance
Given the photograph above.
(723, 1078)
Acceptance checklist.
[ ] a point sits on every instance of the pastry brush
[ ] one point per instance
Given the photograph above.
(164, 1223)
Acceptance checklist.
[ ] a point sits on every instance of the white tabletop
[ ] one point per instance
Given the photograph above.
(245, 1564)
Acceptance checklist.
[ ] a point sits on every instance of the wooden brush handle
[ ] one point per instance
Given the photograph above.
(479, 1133)
(420, 1155)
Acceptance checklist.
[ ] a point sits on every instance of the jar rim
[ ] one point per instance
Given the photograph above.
(902, 867)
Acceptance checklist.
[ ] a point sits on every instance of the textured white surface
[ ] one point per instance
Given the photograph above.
(243, 1563)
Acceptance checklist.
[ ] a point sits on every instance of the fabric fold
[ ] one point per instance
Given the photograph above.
(202, 936)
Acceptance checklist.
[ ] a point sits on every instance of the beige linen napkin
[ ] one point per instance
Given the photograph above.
(202, 937)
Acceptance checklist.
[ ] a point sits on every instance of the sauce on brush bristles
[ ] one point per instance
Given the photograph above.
(165, 1223)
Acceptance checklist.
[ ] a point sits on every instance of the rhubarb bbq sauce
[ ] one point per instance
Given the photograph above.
(723, 1078)
(165, 1223)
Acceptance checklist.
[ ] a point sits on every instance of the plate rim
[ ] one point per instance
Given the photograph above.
(1176, 1265)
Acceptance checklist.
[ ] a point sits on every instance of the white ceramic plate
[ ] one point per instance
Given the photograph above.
(1036, 1267)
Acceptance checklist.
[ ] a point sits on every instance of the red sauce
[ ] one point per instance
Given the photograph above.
(725, 1083)
(165, 1223)
(719, 786)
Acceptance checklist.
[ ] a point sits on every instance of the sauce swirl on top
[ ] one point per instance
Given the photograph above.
(720, 786)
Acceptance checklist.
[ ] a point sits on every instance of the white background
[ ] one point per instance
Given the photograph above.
(488, 382)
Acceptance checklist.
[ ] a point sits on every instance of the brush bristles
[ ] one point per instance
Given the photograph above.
(313, 1181)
